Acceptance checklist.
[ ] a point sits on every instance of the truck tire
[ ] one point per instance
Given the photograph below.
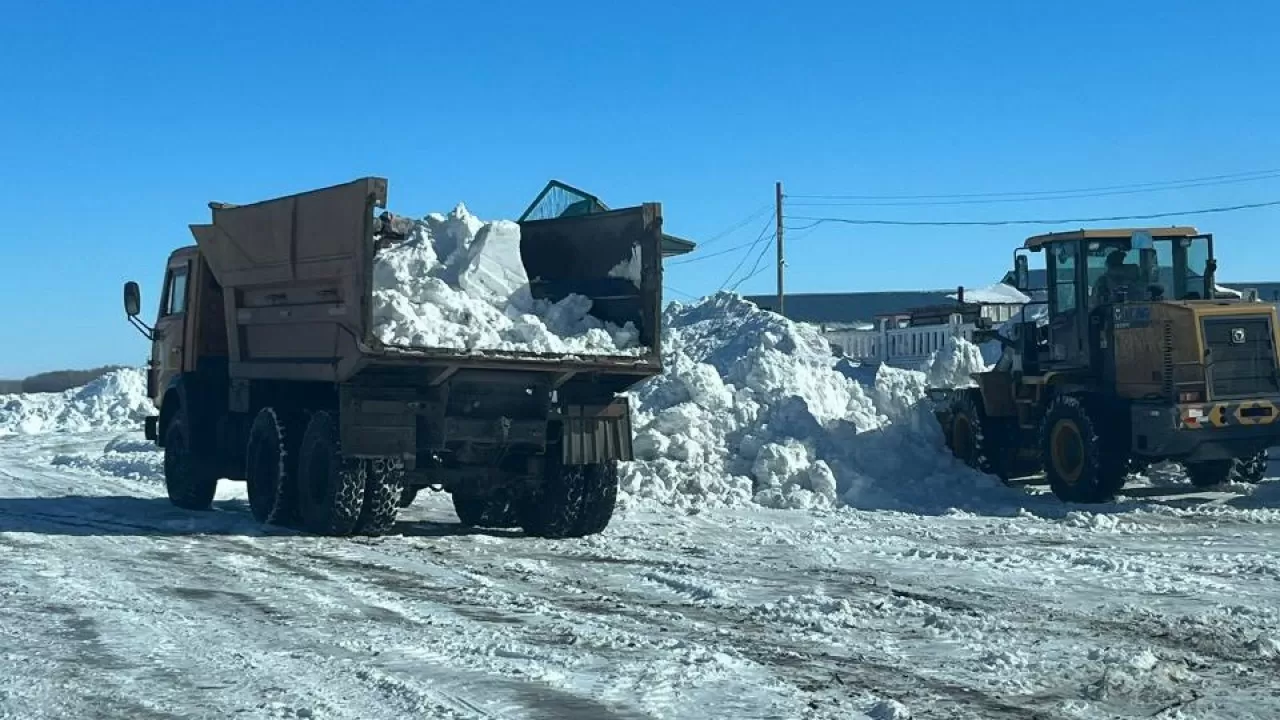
(495, 511)
(331, 487)
(271, 468)
(1209, 473)
(189, 479)
(383, 487)
(984, 444)
(574, 500)
(1082, 465)
(1251, 469)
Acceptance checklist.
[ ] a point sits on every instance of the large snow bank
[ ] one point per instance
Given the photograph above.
(458, 282)
(115, 401)
(753, 407)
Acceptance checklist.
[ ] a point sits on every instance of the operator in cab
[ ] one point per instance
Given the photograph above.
(1115, 278)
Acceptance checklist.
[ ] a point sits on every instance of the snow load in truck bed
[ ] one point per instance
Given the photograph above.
(457, 282)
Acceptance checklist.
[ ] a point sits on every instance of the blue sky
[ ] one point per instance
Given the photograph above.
(121, 120)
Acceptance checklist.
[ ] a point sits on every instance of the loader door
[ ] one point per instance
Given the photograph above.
(170, 330)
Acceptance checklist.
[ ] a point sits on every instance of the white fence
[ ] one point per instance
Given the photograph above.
(903, 347)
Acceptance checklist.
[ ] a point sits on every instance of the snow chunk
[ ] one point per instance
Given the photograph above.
(115, 401)
(954, 363)
(454, 281)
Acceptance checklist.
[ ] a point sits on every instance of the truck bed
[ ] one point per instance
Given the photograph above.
(296, 277)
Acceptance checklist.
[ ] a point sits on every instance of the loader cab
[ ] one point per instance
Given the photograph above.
(1092, 273)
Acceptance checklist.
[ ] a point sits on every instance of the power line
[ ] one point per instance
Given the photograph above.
(680, 292)
(759, 238)
(735, 227)
(757, 268)
(718, 253)
(815, 221)
(1035, 193)
(1031, 197)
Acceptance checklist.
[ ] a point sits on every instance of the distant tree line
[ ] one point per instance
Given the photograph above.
(55, 381)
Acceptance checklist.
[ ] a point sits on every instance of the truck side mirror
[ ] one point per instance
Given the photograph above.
(1021, 273)
(132, 299)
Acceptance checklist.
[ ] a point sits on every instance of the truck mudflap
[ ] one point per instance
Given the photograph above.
(596, 434)
(1205, 431)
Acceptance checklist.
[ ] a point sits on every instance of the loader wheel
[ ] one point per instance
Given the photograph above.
(383, 487)
(573, 501)
(1209, 473)
(271, 466)
(331, 488)
(1251, 469)
(1082, 465)
(495, 511)
(981, 442)
(189, 479)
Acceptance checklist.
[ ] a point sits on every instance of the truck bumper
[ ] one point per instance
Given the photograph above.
(1206, 431)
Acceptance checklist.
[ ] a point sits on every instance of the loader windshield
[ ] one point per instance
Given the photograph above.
(1170, 269)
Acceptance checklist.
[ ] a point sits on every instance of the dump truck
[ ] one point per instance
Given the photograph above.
(1131, 357)
(265, 368)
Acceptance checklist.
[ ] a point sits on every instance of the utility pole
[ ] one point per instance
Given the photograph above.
(778, 214)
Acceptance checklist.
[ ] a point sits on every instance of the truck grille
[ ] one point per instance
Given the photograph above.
(1241, 356)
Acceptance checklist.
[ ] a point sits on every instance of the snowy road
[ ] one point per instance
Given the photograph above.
(116, 605)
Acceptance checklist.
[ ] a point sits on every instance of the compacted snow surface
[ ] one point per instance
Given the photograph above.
(898, 585)
(457, 282)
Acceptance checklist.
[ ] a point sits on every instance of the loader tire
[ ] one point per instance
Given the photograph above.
(271, 468)
(331, 488)
(1081, 462)
(383, 486)
(1209, 473)
(189, 479)
(1251, 469)
(494, 511)
(574, 500)
(983, 443)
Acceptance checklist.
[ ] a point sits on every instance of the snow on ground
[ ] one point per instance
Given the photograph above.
(118, 605)
(900, 584)
(458, 282)
(115, 400)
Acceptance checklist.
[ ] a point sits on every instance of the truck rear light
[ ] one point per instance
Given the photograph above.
(1191, 396)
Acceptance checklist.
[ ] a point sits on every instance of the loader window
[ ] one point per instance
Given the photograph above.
(1062, 259)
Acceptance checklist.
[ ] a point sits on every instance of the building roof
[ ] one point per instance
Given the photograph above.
(559, 199)
(828, 308)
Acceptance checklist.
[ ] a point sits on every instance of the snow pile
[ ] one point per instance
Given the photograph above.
(115, 401)
(127, 456)
(754, 407)
(457, 282)
(954, 363)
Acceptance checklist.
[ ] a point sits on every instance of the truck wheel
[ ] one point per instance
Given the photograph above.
(495, 511)
(1209, 473)
(382, 490)
(330, 487)
(982, 443)
(574, 500)
(188, 479)
(1081, 464)
(1251, 469)
(271, 466)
